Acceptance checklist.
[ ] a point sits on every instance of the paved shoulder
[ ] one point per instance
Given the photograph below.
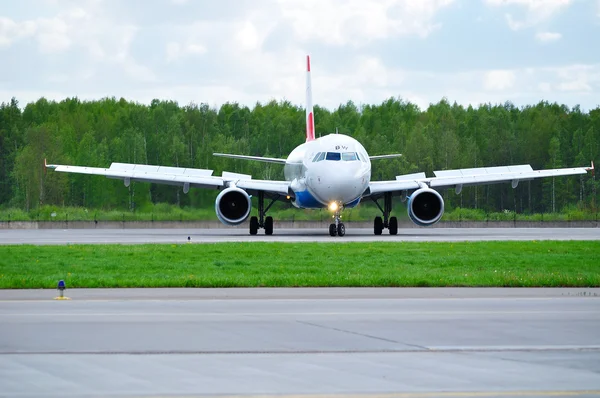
(181, 235)
(167, 294)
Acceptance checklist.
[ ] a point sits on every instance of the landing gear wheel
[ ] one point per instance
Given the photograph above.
(378, 226)
(269, 225)
(332, 230)
(393, 227)
(341, 229)
(253, 225)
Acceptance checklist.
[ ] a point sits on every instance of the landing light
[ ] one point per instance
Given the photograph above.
(333, 206)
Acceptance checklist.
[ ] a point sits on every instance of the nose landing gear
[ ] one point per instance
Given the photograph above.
(337, 228)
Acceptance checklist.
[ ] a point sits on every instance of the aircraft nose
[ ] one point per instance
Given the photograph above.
(341, 184)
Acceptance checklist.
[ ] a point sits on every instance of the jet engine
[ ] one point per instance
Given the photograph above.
(425, 207)
(233, 206)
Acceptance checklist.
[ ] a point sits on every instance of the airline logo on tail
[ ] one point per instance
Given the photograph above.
(310, 119)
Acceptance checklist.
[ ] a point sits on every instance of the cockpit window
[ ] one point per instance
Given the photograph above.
(336, 156)
(333, 156)
(318, 157)
(349, 156)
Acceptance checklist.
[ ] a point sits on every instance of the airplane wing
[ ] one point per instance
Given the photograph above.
(257, 158)
(467, 177)
(184, 177)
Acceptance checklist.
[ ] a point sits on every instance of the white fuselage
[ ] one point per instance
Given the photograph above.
(332, 169)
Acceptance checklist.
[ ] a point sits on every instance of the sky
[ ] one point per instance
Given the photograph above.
(249, 51)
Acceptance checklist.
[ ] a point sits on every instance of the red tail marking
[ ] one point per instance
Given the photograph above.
(310, 129)
(308, 63)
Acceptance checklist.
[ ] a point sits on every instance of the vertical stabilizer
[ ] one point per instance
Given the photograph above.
(310, 118)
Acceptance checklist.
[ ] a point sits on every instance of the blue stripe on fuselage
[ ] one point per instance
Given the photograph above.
(353, 203)
(306, 200)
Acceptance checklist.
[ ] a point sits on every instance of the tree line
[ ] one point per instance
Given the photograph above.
(443, 136)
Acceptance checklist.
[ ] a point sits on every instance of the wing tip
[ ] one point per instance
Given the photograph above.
(591, 168)
(49, 166)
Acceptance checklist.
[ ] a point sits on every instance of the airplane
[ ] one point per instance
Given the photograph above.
(331, 172)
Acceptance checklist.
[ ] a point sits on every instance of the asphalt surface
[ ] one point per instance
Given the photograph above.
(137, 236)
(383, 342)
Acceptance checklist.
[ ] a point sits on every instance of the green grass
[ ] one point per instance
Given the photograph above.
(62, 214)
(535, 263)
(568, 214)
(280, 212)
(165, 212)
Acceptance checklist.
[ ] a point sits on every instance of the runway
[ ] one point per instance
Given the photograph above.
(138, 236)
(251, 342)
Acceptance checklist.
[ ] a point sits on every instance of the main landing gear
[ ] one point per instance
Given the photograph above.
(261, 221)
(391, 223)
(337, 228)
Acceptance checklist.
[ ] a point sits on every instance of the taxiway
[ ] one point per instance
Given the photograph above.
(418, 342)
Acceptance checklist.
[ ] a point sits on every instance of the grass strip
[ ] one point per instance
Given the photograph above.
(493, 264)
(280, 212)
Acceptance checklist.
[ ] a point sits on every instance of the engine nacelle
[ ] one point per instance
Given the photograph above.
(233, 206)
(425, 207)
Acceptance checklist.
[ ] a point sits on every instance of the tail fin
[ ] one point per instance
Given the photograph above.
(310, 119)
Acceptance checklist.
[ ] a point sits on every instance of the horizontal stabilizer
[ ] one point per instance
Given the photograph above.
(390, 156)
(257, 158)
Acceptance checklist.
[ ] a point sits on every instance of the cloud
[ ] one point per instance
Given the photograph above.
(546, 37)
(254, 50)
(572, 78)
(248, 37)
(176, 51)
(367, 80)
(357, 22)
(544, 87)
(578, 78)
(87, 29)
(284, 24)
(11, 31)
(575, 86)
(537, 11)
(53, 35)
(498, 80)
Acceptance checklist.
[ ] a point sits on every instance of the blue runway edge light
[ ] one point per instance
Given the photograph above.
(61, 291)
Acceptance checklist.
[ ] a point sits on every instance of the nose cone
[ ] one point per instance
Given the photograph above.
(342, 182)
